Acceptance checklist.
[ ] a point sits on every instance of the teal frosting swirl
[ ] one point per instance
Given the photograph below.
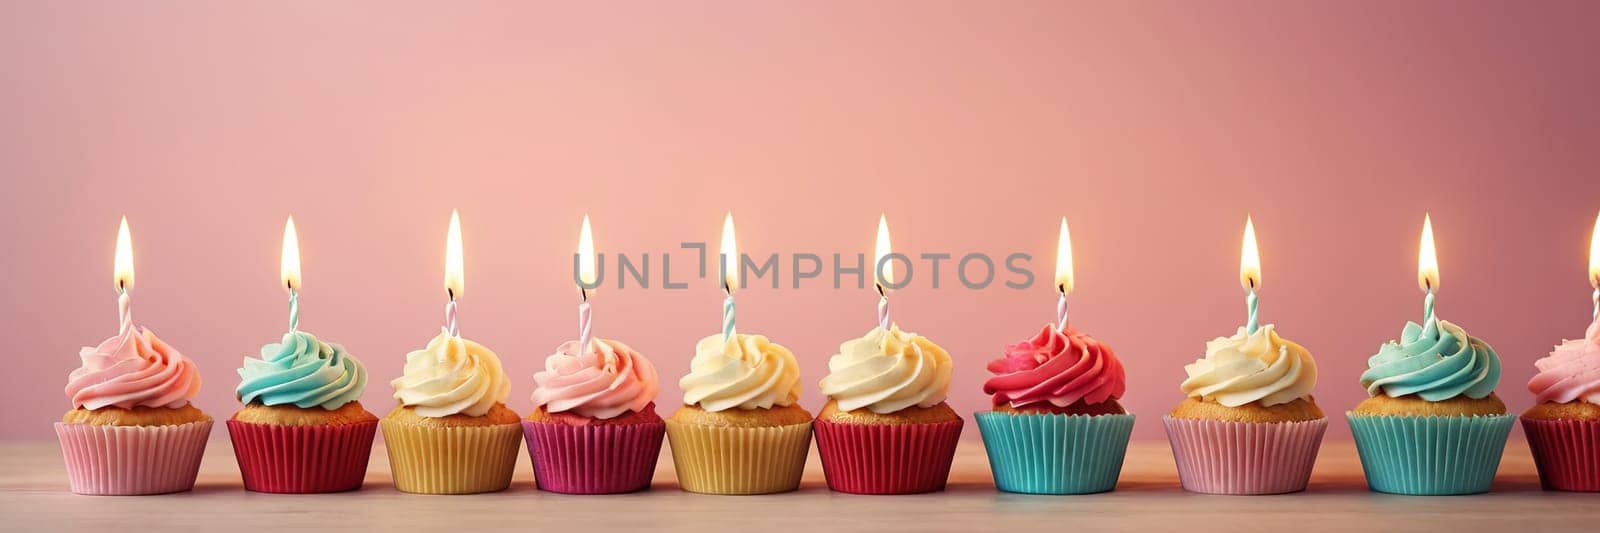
(304, 372)
(1434, 364)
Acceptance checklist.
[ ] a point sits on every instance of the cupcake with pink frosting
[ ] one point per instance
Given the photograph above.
(594, 427)
(132, 429)
(1564, 428)
(1056, 426)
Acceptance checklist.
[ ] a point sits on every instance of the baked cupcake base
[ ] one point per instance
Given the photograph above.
(906, 452)
(577, 455)
(105, 460)
(1417, 447)
(1244, 458)
(290, 450)
(755, 451)
(452, 455)
(1565, 440)
(1043, 452)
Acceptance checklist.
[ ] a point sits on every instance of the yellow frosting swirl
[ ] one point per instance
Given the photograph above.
(886, 371)
(746, 371)
(1248, 368)
(452, 376)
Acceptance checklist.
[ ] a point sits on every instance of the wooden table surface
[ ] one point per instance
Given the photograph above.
(34, 497)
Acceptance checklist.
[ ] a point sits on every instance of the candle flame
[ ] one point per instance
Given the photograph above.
(586, 270)
(289, 266)
(122, 274)
(1250, 258)
(730, 255)
(885, 275)
(454, 270)
(1428, 258)
(1594, 255)
(1064, 277)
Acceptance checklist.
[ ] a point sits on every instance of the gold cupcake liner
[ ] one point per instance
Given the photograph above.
(454, 460)
(729, 460)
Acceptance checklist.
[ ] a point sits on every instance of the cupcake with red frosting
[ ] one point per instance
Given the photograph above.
(594, 427)
(1056, 426)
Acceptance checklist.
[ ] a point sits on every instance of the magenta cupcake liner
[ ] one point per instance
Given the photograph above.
(593, 459)
(1239, 458)
(1567, 453)
(887, 459)
(132, 460)
(302, 459)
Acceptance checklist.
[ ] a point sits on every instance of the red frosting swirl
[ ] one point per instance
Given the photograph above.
(1062, 368)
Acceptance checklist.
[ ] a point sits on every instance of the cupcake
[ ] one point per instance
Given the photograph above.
(886, 428)
(1432, 424)
(452, 433)
(1249, 424)
(1056, 426)
(740, 430)
(301, 429)
(594, 427)
(1564, 428)
(132, 429)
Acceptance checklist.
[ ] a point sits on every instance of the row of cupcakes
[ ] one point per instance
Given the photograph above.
(1249, 425)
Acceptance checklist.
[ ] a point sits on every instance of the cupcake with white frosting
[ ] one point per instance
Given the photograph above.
(452, 433)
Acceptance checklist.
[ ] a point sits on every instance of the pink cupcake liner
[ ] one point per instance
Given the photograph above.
(132, 460)
(302, 459)
(887, 459)
(1240, 458)
(593, 459)
(1566, 452)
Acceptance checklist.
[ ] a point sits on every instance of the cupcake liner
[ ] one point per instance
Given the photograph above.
(1430, 455)
(593, 459)
(1567, 453)
(302, 459)
(887, 459)
(1047, 453)
(451, 460)
(132, 460)
(735, 460)
(1239, 458)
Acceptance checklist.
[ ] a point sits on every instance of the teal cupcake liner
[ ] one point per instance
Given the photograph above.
(1430, 455)
(1055, 454)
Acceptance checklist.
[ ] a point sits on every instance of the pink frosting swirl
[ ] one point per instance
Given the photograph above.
(1571, 372)
(133, 369)
(610, 380)
(1062, 368)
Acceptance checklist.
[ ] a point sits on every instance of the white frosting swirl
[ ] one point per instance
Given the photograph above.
(452, 376)
(1248, 368)
(886, 371)
(747, 372)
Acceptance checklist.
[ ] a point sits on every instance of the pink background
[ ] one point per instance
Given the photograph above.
(1154, 126)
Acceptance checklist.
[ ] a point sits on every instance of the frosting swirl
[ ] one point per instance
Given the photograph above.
(886, 371)
(1062, 368)
(609, 380)
(133, 369)
(302, 371)
(1260, 367)
(452, 376)
(1434, 365)
(747, 372)
(1571, 372)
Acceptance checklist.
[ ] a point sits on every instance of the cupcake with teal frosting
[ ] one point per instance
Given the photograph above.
(302, 428)
(1432, 424)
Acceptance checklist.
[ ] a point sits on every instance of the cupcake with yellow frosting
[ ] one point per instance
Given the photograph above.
(1432, 424)
(740, 430)
(132, 429)
(302, 428)
(594, 427)
(452, 432)
(886, 428)
(1249, 424)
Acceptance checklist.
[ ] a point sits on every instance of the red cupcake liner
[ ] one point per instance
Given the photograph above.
(887, 459)
(1567, 453)
(302, 459)
(593, 459)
